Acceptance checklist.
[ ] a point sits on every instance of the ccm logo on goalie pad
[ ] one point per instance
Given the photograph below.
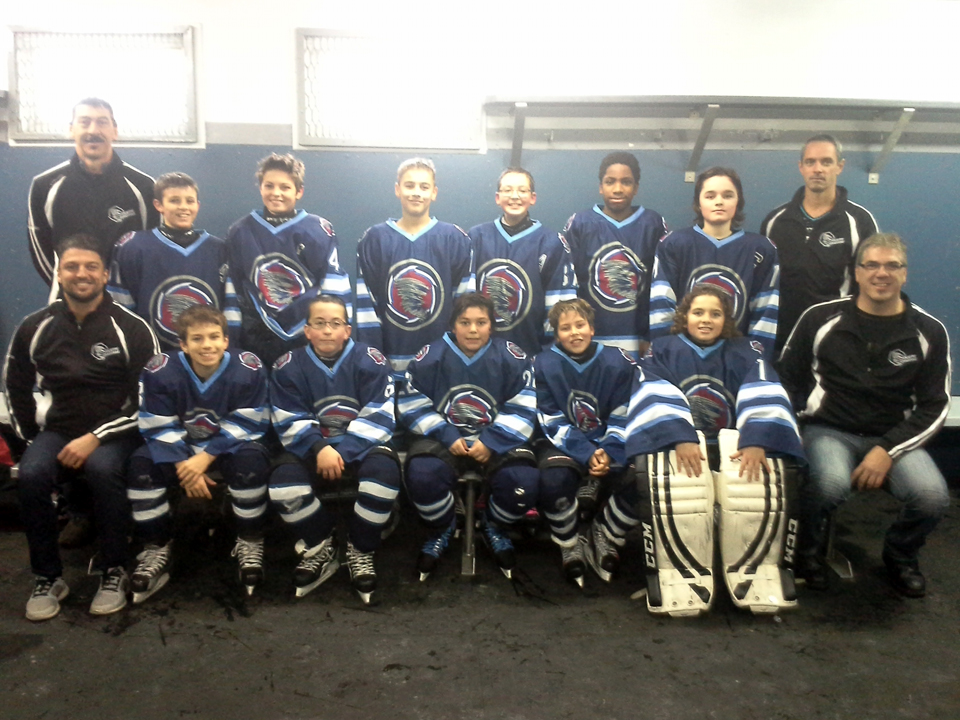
(649, 551)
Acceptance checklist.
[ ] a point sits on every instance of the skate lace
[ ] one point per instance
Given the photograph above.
(43, 587)
(602, 543)
(590, 490)
(498, 541)
(574, 552)
(360, 563)
(249, 553)
(323, 555)
(112, 579)
(435, 546)
(152, 560)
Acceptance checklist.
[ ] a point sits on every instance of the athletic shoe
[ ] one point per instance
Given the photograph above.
(363, 575)
(501, 547)
(44, 602)
(112, 595)
(152, 573)
(432, 550)
(249, 554)
(574, 564)
(317, 565)
(602, 554)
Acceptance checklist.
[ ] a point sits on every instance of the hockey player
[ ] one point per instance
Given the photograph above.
(470, 400)
(613, 248)
(200, 408)
(410, 270)
(717, 252)
(333, 408)
(583, 389)
(281, 258)
(159, 273)
(521, 266)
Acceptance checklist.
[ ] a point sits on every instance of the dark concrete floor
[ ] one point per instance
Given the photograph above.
(449, 649)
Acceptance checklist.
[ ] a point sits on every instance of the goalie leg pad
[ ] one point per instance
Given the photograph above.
(756, 533)
(677, 525)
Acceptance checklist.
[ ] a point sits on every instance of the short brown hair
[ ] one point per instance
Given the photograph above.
(284, 163)
(579, 306)
(199, 314)
(735, 179)
(726, 302)
(472, 300)
(329, 299)
(173, 180)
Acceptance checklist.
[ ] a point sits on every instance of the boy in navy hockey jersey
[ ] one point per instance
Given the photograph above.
(200, 408)
(521, 266)
(333, 409)
(410, 270)
(471, 401)
(613, 248)
(280, 259)
(159, 273)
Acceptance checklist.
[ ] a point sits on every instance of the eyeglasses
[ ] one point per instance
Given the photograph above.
(890, 267)
(322, 324)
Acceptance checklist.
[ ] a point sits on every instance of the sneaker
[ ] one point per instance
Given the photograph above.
(78, 532)
(363, 575)
(574, 564)
(432, 550)
(152, 573)
(112, 595)
(601, 553)
(501, 547)
(249, 554)
(587, 496)
(44, 602)
(317, 565)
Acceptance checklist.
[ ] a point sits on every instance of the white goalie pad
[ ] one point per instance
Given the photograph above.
(753, 524)
(678, 537)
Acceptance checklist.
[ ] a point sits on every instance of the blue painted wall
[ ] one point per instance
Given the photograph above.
(355, 190)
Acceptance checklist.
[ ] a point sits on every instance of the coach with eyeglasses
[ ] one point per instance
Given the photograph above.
(869, 377)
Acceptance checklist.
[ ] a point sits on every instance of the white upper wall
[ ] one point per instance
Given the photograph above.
(879, 49)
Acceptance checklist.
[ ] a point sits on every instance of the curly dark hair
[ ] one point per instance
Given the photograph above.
(680, 317)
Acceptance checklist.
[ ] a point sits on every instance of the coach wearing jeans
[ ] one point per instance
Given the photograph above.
(869, 376)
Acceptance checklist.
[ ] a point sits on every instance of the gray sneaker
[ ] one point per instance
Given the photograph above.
(44, 603)
(112, 595)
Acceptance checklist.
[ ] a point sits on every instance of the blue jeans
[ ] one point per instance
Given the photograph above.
(914, 480)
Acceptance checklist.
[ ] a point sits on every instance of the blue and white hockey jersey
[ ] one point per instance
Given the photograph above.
(181, 416)
(582, 407)
(406, 285)
(658, 416)
(489, 396)
(614, 262)
(158, 279)
(281, 269)
(349, 406)
(524, 275)
(729, 385)
(745, 265)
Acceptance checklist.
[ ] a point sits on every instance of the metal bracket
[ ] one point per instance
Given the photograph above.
(519, 121)
(705, 127)
(873, 177)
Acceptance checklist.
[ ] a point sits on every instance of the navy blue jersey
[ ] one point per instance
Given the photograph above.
(583, 407)
(406, 285)
(281, 269)
(729, 385)
(158, 280)
(658, 416)
(349, 406)
(745, 265)
(614, 262)
(490, 396)
(180, 415)
(524, 275)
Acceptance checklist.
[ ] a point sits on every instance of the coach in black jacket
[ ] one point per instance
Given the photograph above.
(869, 377)
(84, 353)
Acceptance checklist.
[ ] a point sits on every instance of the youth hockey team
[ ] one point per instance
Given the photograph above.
(608, 378)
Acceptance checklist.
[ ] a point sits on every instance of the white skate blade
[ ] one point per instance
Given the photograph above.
(579, 581)
(507, 572)
(329, 570)
(604, 575)
(365, 597)
(139, 597)
(424, 576)
(250, 589)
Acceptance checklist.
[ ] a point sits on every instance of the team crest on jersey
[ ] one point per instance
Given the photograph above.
(898, 358)
(757, 346)
(516, 351)
(117, 214)
(508, 287)
(201, 424)
(469, 407)
(629, 358)
(617, 278)
(334, 415)
(156, 363)
(415, 295)
(582, 409)
(710, 404)
(249, 360)
(422, 353)
(123, 240)
(376, 356)
(327, 227)
(724, 278)
(563, 241)
(828, 239)
(171, 298)
(282, 360)
(279, 280)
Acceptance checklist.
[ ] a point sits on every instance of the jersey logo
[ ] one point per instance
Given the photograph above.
(422, 353)
(415, 295)
(327, 227)
(376, 356)
(279, 280)
(727, 280)
(171, 298)
(828, 239)
(201, 424)
(898, 358)
(100, 351)
(710, 404)
(334, 415)
(156, 363)
(630, 359)
(516, 351)
(118, 214)
(582, 410)
(123, 239)
(563, 241)
(617, 278)
(282, 360)
(508, 287)
(249, 360)
(756, 345)
(469, 407)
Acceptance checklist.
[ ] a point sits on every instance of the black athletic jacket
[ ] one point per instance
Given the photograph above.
(899, 392)
(816, 256)
(90, 372)
(67, 199)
